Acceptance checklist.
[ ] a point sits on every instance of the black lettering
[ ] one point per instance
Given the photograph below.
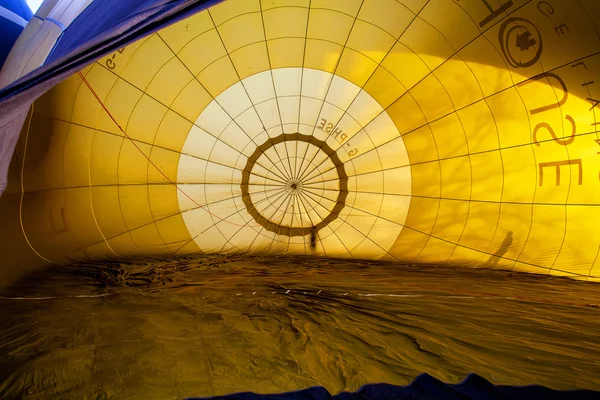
(594, 103)
(559, 164)
(560, 30)
(561, 142)
(323, 122)
(494, 13)
(550, 106)
(110, 64)
(548, 10)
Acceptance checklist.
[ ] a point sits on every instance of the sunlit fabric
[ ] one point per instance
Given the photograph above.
(439, 132)
(14, 15)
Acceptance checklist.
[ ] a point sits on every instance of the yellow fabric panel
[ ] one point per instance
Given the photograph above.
(44, 162)
(414, 5)
(286, 53)
(123, 98)
(398, 58)
(145, 119)
(79, 214)
(459, 82)
(163, 201)
(139, 65)
(86, 110)
(406, 114)
(582, 188)
(322, 55)
(67, 91)
(511, 118)
(485, 169)
(582, 225)
(123, 245)
(133, 163)
(189, 248)
(487, 64)
(163, 166)
(480, 226)
(47, 226)
(250, 24)
(479, 126)
(545, 237)
(107, 209)
(230, 9)
(478, 11)
(174, 233)
(355, 67)
(456, 178)
(384, 87)
(349, 7)
(445, 16)
(563, 49)
(172, 131)
(178, 35)
(118, 61)
(217, 76)
(426, 179)
(449, 131)
(104, 159)
(433, 100)
(421, 146)
(287, 22)
(251, 59)
(169, 81)
(464, 257)
(515, 221)
(135, 205)
(329, 25)
(202, 51)
(419, 223)
(270, 4)
(427, 42)
(77, 151)
(435, 251)
(190, 101)
(520, 174)
(388, 15)
(524, 267)
(370, 40)
(99, 251)
(450, 220)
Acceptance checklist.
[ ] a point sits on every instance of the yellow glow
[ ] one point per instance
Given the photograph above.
(467, 138)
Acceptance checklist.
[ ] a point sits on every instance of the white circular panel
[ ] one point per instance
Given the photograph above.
(295, 160)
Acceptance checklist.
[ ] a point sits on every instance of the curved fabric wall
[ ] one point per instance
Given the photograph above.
(421, 131)
(14, 15)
